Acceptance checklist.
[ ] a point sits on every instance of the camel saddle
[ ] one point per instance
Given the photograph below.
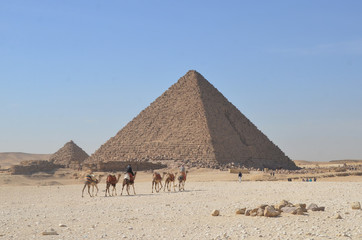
(111, 179)
(129, 176)
(158, 177)
(89, 179)
(172, 177)
(184, 176)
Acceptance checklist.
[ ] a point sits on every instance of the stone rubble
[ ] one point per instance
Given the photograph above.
(282, 207)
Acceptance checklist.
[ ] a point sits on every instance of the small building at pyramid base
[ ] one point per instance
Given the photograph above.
(192, 123)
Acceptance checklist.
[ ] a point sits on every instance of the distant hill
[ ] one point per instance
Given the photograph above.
(11, 158)
(347, 161)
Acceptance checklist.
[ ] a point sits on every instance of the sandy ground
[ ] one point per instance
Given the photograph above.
(32, 205)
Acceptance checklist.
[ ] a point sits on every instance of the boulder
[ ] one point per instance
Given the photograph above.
(269, 211)
(303, 206)
(215, 213)
(314, 207)
(282, 204)
(260, 212)
(50, 232)
(337, 216)
(356, 205)
(240, 211)
(254, 212)
(263, 206)
(300, 211)
(247, 212)
(291, 210)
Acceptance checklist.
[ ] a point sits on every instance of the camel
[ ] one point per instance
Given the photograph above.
(112, 180)
(91, 180)
(181, 181)
(170, 178)
(157, 180)
(128, 180)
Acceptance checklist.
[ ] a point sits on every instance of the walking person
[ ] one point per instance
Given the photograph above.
(240, 175)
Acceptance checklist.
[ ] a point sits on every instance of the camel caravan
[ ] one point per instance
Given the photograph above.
(169, 179)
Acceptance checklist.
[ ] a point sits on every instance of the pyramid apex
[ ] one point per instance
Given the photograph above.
(192, 72)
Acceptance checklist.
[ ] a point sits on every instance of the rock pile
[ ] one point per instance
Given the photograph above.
(30, 167)
(275, 210)
(192, 121)
(70, 155)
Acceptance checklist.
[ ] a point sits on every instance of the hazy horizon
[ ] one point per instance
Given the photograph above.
(82, 70)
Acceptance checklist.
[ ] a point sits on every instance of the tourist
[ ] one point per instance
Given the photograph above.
(183, 171)
(240, 175)
(182, 168)
(129, 170)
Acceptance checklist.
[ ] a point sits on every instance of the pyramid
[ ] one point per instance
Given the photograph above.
(68, 155)
(192, 121)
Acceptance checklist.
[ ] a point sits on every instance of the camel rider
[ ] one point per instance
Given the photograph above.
(183, 171)
(129, 170)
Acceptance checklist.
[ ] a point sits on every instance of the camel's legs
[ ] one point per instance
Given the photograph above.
(166, 184)
(107, 190)
(97, 189)
(89, 190)
(83, 189)
(133, 189)
(122, 189)
(127, 188)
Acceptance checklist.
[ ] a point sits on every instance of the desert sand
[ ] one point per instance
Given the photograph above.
(37, 204)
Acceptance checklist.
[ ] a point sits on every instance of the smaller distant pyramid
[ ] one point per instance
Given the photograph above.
(70, 155)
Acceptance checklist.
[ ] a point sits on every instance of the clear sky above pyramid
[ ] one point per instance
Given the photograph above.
(82, 70)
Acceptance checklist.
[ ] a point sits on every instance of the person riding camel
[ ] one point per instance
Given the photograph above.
(130, 172)
(183, 171)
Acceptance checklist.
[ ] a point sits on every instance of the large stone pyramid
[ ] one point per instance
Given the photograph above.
(193, 121)
(69, 155)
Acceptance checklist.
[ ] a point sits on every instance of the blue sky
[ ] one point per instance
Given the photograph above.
(82, 70)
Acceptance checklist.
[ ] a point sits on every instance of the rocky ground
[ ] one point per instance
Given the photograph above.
(28, 212)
